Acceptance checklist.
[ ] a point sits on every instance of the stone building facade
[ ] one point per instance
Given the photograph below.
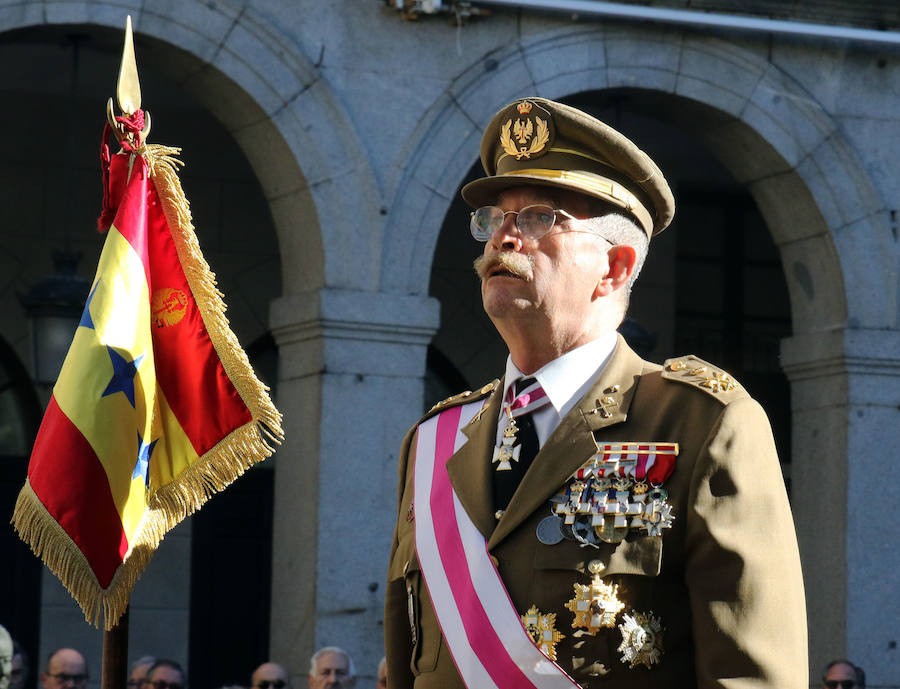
(329, 141)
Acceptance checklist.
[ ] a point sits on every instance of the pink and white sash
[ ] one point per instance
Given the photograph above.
(482, 629)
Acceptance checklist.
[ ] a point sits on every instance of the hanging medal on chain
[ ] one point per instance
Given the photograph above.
(509, 448)
(532, 397)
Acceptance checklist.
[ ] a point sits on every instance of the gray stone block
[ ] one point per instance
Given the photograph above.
(448, 151)
(198, 28)
(574, 50)
(878, 147)
(816, 284)
(870, 268)
(410, 237)
(489, 85)
(15, 14)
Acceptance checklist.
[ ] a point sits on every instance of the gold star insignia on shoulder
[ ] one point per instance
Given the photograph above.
(693, 371)
(541, 627)
(490, 387)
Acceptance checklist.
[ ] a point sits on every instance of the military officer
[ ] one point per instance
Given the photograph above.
(592, 519)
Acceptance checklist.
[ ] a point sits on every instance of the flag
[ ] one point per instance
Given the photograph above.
(156, 406)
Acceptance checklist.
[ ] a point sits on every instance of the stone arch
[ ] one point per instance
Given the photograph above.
(824, 213)
(269, 97)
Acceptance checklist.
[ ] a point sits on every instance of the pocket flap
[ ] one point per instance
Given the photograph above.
(642, 555)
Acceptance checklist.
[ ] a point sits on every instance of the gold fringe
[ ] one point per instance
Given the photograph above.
(211, 473)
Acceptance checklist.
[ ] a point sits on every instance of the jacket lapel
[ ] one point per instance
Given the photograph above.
(469, 468)
(572, 443)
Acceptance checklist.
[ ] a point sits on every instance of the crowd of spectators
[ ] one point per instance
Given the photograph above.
(330, 667)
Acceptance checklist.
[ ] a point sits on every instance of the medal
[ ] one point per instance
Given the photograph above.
(528, 400)
(617, 490)
(549, 530)
(642, 636)
(541, 627)
(509, 450)
(595, 606)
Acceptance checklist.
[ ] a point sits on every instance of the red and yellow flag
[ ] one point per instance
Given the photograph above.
(156, 406)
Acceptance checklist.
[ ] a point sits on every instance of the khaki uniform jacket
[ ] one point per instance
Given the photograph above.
(724, 581)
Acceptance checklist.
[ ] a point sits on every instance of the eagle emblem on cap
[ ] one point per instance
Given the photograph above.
(525, 133)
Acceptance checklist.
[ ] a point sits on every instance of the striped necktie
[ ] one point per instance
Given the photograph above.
(520, 440)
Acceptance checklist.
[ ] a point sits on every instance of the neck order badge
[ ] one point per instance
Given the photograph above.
(156, 406)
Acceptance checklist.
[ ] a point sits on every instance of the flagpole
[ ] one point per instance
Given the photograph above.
(114, 669)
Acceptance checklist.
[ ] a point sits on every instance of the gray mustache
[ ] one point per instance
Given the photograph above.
(517, 264)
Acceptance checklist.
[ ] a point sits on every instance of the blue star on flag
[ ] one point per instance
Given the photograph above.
(142, 466)
(124, 372)
(86, 319)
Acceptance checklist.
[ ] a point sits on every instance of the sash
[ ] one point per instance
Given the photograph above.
(483, 631)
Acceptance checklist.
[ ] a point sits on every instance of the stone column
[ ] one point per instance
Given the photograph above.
(845, 395)
(350, 385)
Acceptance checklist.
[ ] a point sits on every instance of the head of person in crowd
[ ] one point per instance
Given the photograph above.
(6, 654)
(165, 674)
(331, 668)
(381, 681)
(842, 674)
(19, 672)
(139, 671)
(270, 675)
(66, 669)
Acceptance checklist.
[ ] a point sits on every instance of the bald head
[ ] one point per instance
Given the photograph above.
(66, 668)
(270, 676)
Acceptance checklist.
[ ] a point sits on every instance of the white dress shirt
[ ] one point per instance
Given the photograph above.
(565, 380)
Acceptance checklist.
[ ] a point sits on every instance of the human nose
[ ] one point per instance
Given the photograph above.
(507, 236)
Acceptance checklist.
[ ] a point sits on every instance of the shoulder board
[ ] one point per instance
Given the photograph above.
(465, 397)
(694, 371)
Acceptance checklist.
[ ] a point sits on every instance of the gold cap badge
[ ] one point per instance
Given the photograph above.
(528, 131)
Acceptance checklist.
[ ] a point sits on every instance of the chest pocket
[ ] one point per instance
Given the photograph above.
(424, 630)
(641, 556)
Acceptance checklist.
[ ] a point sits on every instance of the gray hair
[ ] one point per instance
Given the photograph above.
(618, 228)
(143, 660)
(313, 662)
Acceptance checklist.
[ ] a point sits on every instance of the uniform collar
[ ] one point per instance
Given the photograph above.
(565, 379)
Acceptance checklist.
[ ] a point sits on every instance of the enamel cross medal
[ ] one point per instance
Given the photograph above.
(509, 449)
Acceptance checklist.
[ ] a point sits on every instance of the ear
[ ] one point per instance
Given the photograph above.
(621, 260)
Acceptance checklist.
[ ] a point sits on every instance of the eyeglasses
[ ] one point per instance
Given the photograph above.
(532, 222)
(842, 683)
(163, 684)
(63, 678)
(274, 683)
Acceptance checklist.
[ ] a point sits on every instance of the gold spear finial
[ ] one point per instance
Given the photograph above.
(128, 90)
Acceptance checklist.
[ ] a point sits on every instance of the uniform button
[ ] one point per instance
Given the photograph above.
(596, 566)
